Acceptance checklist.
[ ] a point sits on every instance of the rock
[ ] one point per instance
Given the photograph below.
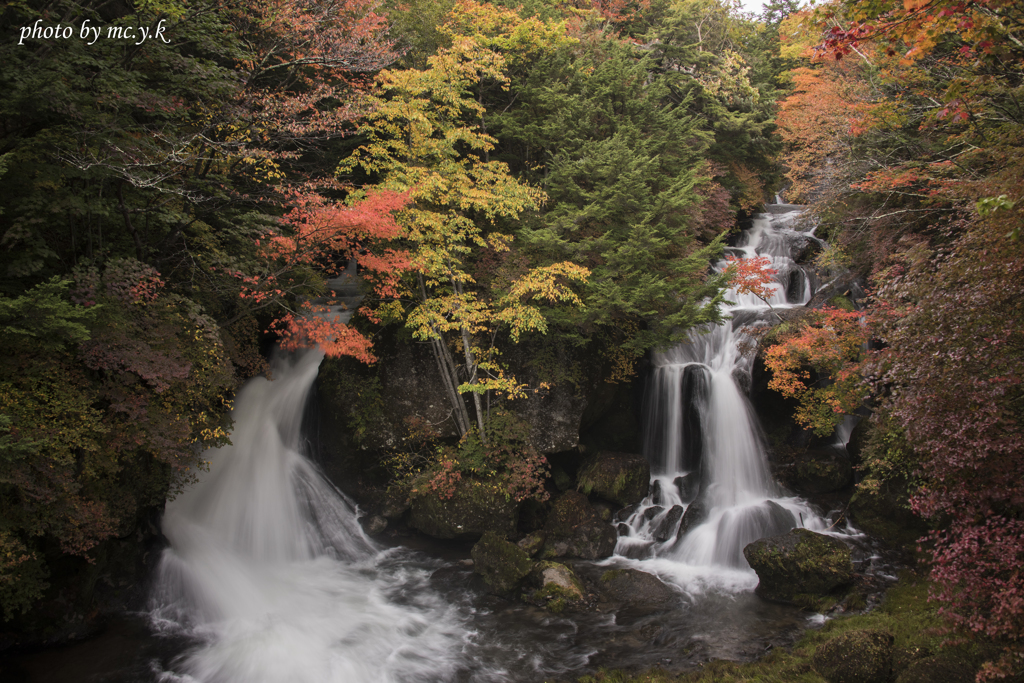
(396, 503)
(653, 511)
(474, 508)
(636, 588)
(406, 374)
(688, 486)
(816, 470)
(696, 513)
(666, 526)
(502, 564)
(946, 668)
(532, 544)
(559, 588)
(622, 478)
(859, 439)
(656, 494)
(574, 529)
(805, 247)
(886, 515)
(374, 525)
(799, 564)
(855, 657)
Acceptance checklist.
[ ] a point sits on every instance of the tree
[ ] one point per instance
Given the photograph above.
(421, 138)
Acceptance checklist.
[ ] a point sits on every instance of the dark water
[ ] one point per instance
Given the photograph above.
(507, 641)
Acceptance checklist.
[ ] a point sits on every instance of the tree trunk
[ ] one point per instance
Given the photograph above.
(449, 376)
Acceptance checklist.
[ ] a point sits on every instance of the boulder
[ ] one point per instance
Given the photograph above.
(696, 513)
(574, 529)
(664, 528)
(688, 486)
(503, 565)
(816, 470)
(799, 564)
(558, 588)
(947, 668)
(636, 588)
(855, 657)
(374, 525)
(474, 508)
(532, 544)
(622, 478)
(885, 514)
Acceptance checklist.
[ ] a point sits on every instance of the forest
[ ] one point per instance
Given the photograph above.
(182, 180)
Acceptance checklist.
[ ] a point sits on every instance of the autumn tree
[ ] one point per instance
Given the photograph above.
(423, 137)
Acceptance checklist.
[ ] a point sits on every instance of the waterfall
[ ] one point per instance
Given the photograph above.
(712, 492)
(269, 574)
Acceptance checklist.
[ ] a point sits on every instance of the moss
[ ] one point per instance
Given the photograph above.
(905, 613)
(501, 564)
(842, 302)
(560, 589)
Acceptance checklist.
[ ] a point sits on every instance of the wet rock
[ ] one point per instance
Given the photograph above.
(947, 668)
(558, 588)
(688, 486)
(653, 511)
(474, 508)
(374, 525)
(624, 514)
(696, 513)
(622, 478)
(656, 493)
(532, 544)
(502, 565)
(855, 657)
(575, 530)
(666, 526)
(799, 565)
(636, 588)
(805, 247)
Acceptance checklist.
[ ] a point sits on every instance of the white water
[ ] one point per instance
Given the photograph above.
(271, 576)
(701, 433)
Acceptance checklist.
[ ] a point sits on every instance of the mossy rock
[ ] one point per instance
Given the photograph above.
(798, 564)
(817, 470)
(558, 588)
(885, 514)
(635, 588)
(621, 478)
(532, 544)
(574, 529)
(947, 668)
(855, 657)
(503, 565)
(474, 508)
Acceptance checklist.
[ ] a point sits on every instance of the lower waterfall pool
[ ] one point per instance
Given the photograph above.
(454, 631)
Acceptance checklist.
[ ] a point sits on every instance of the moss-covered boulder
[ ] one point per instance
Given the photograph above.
(855, 657)
(635, 588)
(574, 529)
(815, 470)
(885, 514)
(532, 543)
(799, 565)
(557, 588)
(503, 565)
(475, 507)
(947, 668)
(622, 478)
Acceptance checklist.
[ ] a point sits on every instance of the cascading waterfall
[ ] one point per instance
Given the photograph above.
(712, 493)
(270, 573)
